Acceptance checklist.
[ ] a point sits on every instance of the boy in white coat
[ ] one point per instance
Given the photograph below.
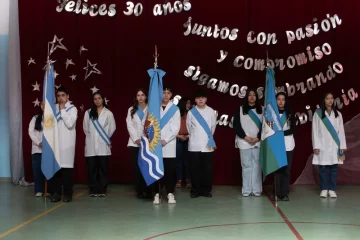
(170, 126)
(66, 115)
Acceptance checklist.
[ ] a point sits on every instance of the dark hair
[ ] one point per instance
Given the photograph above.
(135, 105)
(182, 105)
(287, 108)
(200, 93)
(38, 125)
(62, 89)
(246, 106)
(323, 107)
(93, 112)
(168, 87)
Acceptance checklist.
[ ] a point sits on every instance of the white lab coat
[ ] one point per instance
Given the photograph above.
(289, 140)
(94, 144)
(169, 132)
(67, 135)
(135, 127)
(198, 138)
(36, 136)
(322, 140)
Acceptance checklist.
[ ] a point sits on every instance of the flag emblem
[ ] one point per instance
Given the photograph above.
(152, 132)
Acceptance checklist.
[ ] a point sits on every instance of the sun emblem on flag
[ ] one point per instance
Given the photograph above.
(49, 122)
(152, 131)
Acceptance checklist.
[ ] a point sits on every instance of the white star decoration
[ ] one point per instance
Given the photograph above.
(94, 89)
(31, 61)
(36, 86)
(82, 49)
(69, 62)
(91, 68)
(56, 43)
(57, 87)
(106, 101)
(36, 103)
(82, 107)
(56, 74)
(73, 77)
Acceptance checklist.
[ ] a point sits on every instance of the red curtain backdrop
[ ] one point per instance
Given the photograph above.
(123, 47)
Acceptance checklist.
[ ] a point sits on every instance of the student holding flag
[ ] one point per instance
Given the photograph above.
(201, 124)
(329, 144)
(135, 122)
(170, 126)
(66, 116)
(288, 122)
(247, 126)
(99, 125)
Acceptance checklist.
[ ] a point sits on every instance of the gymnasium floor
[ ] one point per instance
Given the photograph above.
(225, 216)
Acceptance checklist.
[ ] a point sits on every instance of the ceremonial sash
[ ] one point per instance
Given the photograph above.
(332, 132)
(211, 143)
(58, 115)
(255, 118)
(283, 119)
(100, 130)
(168, 115)
(140, 113)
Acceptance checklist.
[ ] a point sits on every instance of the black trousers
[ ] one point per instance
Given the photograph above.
(55, 182)
(139, 182)
(98, 170)
(201, 166)
(169, 176)
(283, 177)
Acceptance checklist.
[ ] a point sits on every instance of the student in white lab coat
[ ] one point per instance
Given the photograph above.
(289, 121)
(201, 124)
(35, 133)
(135, 121)
(329, 144)
(67, 137)
(99, 125)
(170, 126)
(247, 126)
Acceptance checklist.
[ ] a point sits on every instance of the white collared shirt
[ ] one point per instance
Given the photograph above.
(36, 136)
(94, 144)
(198, 138)
(135, 127)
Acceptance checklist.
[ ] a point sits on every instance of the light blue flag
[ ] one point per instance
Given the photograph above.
(150, 158)
(50, 163)
(272, 148)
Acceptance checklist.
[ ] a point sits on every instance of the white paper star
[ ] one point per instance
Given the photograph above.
(57, 87)
(36, 86)
(73, 77)
(91, 68)
(31, 61)
(56, 74)
(69, 62)
(56, 43)
(82, 49)
(94, 89)
(36, 103)
(82, 107)
(106, 101)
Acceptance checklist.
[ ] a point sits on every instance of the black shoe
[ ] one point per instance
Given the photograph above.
(67, 199)
(55, 198)
(92, 194)
(102, 195)
(285, 198)
(208, 195)
(194, 195)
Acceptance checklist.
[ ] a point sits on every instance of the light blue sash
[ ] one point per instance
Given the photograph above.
(332, 132)
(211, 143)
(168, 115)
(283, 119)
(58, 115)
(100, 130)
(140, 113)
(255, 118)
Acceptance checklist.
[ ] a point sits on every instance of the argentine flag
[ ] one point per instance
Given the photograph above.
(150, 158)
(50, 163)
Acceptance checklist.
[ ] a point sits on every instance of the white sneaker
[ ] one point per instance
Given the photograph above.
(332, 194)
(324, 194)
(156, 199)
(39, 194)
(245, 194)
(257, 194)
(171, 198)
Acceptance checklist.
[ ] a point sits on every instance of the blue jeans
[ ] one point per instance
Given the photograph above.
(182, 160)
(39, 179)
(325, 182)
(251, 171)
